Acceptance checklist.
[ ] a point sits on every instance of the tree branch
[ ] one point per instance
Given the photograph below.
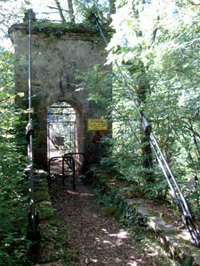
(51, 7)
(193, 3)
(71, 10)
(60, 10)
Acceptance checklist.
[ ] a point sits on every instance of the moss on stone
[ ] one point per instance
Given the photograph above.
(56, 29)
(139, 216)
(52, 240)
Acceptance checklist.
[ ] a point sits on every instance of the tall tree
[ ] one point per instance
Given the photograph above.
(13, 202)
(156, 44)
(71, 11)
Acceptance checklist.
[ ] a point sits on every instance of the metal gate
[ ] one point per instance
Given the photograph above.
(61, 127)
(61, 132)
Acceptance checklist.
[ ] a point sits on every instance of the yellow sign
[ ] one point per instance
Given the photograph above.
(95, 124)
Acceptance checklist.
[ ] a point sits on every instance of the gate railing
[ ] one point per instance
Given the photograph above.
(70, 166)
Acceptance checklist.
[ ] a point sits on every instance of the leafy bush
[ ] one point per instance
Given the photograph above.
(160, 61)
(13, 187)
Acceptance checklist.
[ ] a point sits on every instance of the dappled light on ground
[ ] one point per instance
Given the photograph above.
(96, 239)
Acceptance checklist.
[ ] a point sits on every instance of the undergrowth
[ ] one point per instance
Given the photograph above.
(112, 205)
(53, 246)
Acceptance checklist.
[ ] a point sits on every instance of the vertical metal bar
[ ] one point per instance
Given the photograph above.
(74, 140)
(30, 145)
(49, 141)
(30, 13)
(63, 170)
(31, 185)
(70, 138)
(73, 174)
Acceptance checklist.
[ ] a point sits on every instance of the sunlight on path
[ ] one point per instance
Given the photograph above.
(97, 240)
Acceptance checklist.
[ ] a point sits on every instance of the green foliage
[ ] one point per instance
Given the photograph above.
(98, 83)
(58, 29)
(158, 50)
(157, 47)
(53, 238)
(13, 199)
(86, 8)
(112, 204)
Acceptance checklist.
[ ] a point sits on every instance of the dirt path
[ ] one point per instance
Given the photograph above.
(98, 240)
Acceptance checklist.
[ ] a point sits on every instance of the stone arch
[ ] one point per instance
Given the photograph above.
(78, 126)
(55, 64)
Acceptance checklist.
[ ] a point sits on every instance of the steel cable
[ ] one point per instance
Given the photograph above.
(29, 131)
(187, 217)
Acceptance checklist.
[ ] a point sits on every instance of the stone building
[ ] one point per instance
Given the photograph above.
(58, 54)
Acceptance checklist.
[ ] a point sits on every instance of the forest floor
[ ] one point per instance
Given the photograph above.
(95, 238)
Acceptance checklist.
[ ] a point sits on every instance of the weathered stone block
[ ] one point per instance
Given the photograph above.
(55, 63)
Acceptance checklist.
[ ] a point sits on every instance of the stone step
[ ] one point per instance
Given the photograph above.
(176, 241)
(164, 226)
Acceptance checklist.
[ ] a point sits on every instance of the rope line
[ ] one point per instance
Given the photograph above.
(184, 208)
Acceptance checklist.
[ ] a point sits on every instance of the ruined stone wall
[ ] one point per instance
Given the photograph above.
(55, 62)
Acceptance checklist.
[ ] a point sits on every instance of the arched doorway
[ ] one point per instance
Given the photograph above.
(61, 130)
(64, 141)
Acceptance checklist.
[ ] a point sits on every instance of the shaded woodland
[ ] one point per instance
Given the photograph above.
(156, 44)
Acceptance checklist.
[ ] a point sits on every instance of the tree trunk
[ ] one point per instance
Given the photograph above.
(147, 161)
(71, 11)
(141, 92)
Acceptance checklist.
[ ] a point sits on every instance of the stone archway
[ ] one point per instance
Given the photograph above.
(62, 132)
(56, 61)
